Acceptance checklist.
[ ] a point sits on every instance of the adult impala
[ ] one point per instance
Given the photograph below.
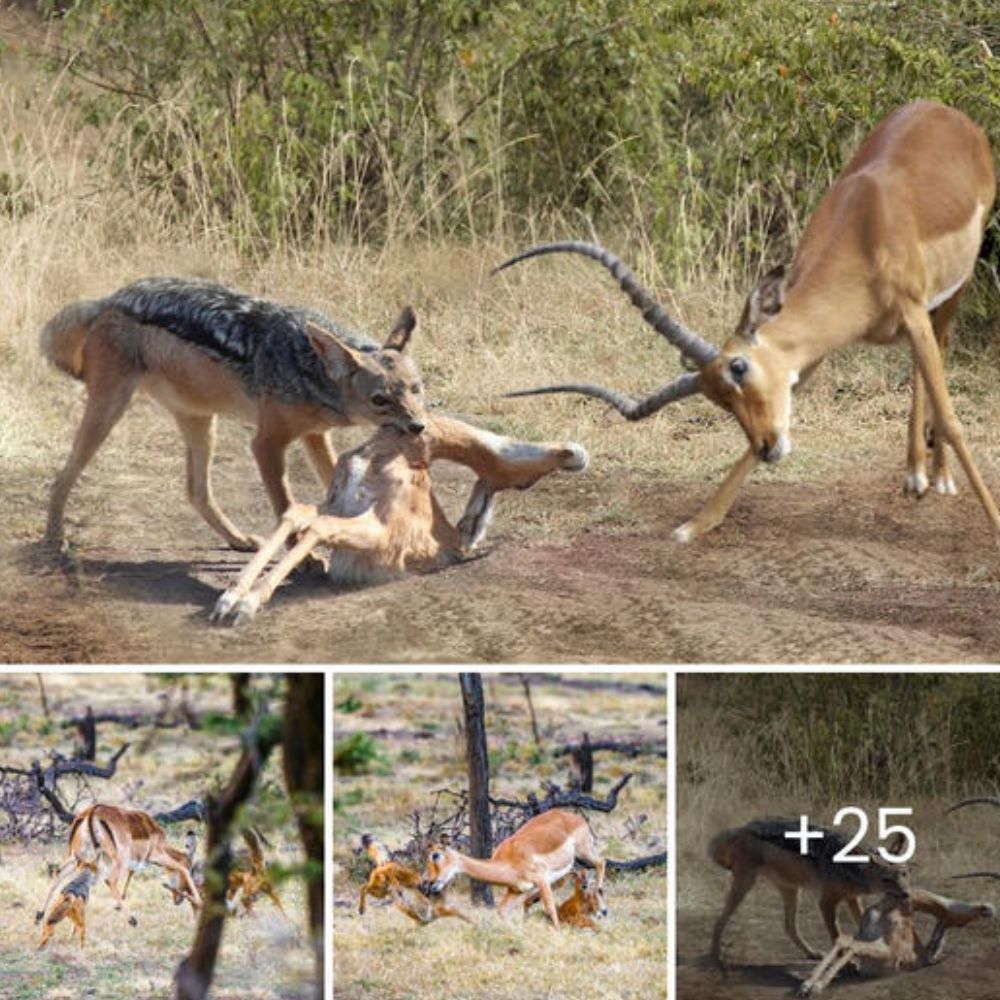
(532, 858)
(885, 258)
(130, 840)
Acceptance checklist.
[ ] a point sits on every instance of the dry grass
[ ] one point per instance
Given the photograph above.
(262, 957)
(383, 954)
(86, 229)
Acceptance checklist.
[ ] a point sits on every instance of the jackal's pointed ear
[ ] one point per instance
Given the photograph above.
(402, 330)
(331, 348)
(764, 302)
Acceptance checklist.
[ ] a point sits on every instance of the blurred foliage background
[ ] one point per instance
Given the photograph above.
(706, 127)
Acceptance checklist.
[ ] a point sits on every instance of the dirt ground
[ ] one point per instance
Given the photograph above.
(765, 965)
(581, 568)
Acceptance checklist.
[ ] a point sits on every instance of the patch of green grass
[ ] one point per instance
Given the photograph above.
(358, 754)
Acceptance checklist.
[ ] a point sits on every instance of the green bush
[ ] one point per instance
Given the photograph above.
(358, 754)
(705, 128)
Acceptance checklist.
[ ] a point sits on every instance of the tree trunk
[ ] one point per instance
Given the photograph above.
(304, 765)
(480, 830)
(194, 975)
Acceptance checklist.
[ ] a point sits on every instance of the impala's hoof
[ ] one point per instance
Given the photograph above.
(223, 606)
(685, 533)
(945, 485)
(915, 483)
(246, 609)
(574, 458)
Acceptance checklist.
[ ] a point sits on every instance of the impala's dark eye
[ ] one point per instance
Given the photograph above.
(738, 368)
(378, 399)
(436, 856)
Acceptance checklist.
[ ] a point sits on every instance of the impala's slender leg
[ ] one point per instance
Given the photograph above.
(925, 350)
(941, 319)
(363, 532)
(548, 901)
(916, 453)
(721, 500)
(294, 519)
(838, 956)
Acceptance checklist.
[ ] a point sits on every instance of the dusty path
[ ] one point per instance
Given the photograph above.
(764, 965)
(579, 569)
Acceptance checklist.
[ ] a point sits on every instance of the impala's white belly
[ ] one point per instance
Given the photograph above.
(554, 876)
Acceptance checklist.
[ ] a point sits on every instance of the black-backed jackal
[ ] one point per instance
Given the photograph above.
(130, 840)
(70, 901)
(381, 518)
(201, 349)
(760, 849)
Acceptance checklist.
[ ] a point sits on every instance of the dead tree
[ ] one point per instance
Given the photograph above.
(480, 831)
(194, 975)
(304, 766)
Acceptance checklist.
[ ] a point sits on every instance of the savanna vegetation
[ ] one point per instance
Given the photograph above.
(171, 746)
(355, 157)
(400, 774)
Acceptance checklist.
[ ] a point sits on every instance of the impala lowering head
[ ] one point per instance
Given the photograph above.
(442, 867)
(746, 377)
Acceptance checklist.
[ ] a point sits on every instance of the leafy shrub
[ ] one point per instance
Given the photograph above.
(707, 128)
(357, 754)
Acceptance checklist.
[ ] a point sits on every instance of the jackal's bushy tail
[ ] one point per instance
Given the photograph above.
(63, 337)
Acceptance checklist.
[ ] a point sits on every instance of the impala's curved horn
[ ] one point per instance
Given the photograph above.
(631, 409)
(700, 351)
(986, 800)
(995, 875)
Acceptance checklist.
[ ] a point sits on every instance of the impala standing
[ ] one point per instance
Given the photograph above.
(885, 259)
(534, 857)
